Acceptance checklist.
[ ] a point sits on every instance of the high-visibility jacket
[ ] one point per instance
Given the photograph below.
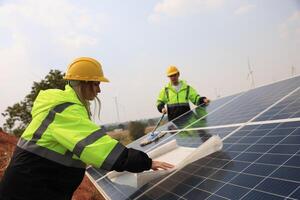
(51, 155)
(61, 131)
(177, 102)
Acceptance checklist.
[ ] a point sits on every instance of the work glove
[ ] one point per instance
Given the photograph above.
(203, 101)
(160, 107)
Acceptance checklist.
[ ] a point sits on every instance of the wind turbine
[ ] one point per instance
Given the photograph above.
(293, 71)
(117, 109)
(251, 75)
(217, 92)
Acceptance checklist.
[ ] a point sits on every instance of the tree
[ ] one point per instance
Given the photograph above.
(121, 126)
(136, 129)
(18, 116)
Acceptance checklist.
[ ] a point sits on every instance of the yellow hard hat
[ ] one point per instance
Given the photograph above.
(172, 70)
(85, 69)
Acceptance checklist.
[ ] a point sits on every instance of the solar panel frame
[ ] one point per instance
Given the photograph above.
(237, 166)
(252, 103)
(253, 122)
(288, 108)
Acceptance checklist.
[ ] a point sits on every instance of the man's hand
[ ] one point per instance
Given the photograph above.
(164, 111)
(203, 101)
(206, 101)
(161, 165)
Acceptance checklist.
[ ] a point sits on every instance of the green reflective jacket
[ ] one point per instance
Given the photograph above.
(61, 131)
(168, 95)
(177, 102)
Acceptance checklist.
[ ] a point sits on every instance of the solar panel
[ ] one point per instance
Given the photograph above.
(193, 118)
(185, 139)
(258, 162)
(288, 108)
(251, 103)
(260, 157)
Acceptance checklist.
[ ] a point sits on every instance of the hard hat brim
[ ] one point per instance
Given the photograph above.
(173, 73)
(101, 79)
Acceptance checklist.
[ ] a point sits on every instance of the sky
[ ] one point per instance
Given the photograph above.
(210, 41)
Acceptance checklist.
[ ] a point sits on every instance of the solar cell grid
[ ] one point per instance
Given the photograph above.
(187, 139)
(251, 103)
(236, 173)
(258, 161)
(288, 108)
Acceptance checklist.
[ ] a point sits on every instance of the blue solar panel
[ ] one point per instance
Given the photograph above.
(193, 118)
(249, 172)
(259, 160)
(185, 139)
(253, 102)
(187, 120)
(288, 108)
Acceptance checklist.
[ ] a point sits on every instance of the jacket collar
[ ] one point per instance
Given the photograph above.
(183, 85)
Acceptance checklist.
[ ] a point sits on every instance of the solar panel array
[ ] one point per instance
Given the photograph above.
(260, 158)
(258, 162)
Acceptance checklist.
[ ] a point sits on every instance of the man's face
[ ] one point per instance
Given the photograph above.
(174, 78)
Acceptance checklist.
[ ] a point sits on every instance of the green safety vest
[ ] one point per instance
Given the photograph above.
(168, 95)
(61, 131)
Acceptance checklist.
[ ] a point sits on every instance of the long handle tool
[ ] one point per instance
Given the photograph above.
(153, 135)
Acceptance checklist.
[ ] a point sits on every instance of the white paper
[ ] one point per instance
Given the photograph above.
(171, 153)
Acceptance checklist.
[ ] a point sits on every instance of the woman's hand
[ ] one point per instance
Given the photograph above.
(164, 111)
(161, 165)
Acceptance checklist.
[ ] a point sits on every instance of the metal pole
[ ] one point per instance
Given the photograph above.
(117, 109)
(293, 71)
(251, 74)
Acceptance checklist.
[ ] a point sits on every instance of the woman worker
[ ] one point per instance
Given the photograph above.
(51, 155)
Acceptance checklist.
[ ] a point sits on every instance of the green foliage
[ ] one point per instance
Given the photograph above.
(113, 126)
(18, 116)
(121, 126)
(136, 129)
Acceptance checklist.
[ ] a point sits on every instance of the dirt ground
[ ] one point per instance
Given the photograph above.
(85, 191)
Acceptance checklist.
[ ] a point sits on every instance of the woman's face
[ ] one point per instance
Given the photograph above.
(91, 90)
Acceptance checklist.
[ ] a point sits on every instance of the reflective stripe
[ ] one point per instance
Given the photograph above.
(178, 104)
(195, 101)
(187, 93)
(65, 159)
(31, 146)
(79, 147)
(167, 93)
(48, 120)
(113, 156)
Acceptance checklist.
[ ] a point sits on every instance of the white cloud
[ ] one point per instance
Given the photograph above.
(244, 9)
(175, 8)
(36, 32)
(75, 40)
(63, 23)
(33, 31)
(290, 29)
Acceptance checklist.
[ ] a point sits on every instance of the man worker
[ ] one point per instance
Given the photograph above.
(174, 98)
